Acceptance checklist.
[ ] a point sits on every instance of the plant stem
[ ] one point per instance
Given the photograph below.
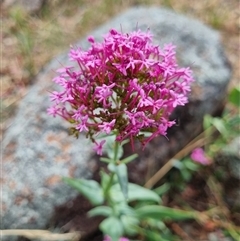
(116, 146)
(106, 191)
(114, 161)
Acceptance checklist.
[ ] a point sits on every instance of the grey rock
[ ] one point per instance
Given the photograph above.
(37, 150)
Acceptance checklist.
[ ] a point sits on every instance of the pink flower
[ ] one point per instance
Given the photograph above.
(107, 127)
(102, 93)
(198, 155)
(99, 147)
(125, 84)
(107, 238)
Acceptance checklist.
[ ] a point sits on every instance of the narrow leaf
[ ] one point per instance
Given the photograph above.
(104, 159)
(129, 159)
(186, 174)
(190, 164)
(162, 189)
(152, 235)
(220, 126)
(135, 192)
(234, 96)
(163, 213)
(105, 178)
(177, 164)
(207, 121)
(89, 188)
(113, 227)
(100, 211)
(130, 224)
(121, 171)
(112, 167)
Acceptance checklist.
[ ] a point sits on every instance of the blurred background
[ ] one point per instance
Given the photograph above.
(33, 32)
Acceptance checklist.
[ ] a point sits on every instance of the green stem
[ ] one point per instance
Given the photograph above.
(114, 160)
(116, 147)
(106, 191)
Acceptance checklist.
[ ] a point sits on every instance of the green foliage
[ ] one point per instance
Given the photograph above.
(162, 189)
(182, 173)
(155, 235)
(100, 211)
(130, 224)
(121, 171)
(234, 97)
(113, 227)
(89, 188)
(135, 193)
(164, 213)
(219, 131)
(135, 211)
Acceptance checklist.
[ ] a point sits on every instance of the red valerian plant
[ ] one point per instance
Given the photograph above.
(122, 89)
(126, 85)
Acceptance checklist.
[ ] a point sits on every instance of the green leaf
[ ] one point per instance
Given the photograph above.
(186, 174)
(105, 179)
(164, 213)
(129, 159)
(106, 160)
(112, 147)
(151, 235)
(157, 224)
(234, 96)
(219, 124)
(189, 164)
(122, 208)
(135, 192)
(100, 211)
(177, 164)
(113, 227)
(207, 121)
(234, 125)
(121, 171)
(112, 167)
(162, 189)
(89, 188)
(130, 225)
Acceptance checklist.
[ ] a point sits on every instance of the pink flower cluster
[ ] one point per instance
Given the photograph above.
(125, 84)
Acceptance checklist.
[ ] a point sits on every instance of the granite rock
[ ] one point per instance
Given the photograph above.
(37, 150)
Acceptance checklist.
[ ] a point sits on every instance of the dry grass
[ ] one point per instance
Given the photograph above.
(30, 41)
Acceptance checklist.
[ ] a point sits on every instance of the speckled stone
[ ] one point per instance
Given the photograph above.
(37, 150)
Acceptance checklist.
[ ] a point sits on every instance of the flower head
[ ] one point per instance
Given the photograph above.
(198, 155)
(125, 84)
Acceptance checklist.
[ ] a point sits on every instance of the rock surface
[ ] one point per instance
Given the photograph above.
(37, 150)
